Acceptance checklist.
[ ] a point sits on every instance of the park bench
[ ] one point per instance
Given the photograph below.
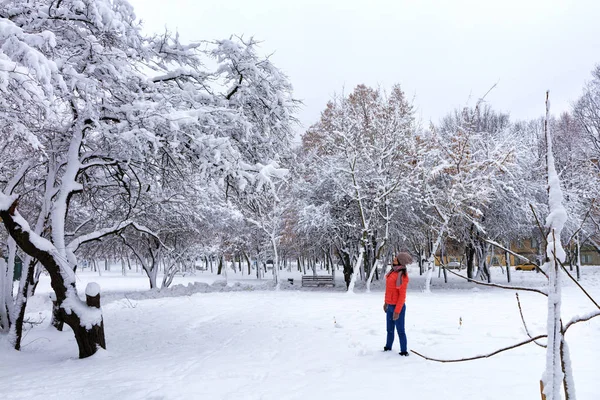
(316, 281)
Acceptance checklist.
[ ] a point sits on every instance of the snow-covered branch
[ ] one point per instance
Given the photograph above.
(100, 233)
(578, 319)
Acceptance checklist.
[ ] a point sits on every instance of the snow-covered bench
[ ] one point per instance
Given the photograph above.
(316, 281)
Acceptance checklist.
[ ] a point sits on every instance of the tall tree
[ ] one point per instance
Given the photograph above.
(364, 143)
(103, 111)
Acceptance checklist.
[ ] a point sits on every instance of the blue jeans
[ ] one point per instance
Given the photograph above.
(399, 324)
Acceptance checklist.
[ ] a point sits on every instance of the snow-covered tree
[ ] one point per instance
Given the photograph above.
(586, 109)
(94, 103)
(466, 164)
(557, 353)
(364, 143)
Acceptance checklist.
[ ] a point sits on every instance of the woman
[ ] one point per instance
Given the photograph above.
(396, 282)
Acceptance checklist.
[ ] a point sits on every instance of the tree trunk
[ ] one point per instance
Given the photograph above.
(89, 340)
(572, 253)
(62, 280)
(257, 266)
(331, 263)
(357, 265)
(25, 286)
(123, 268)
(220, 268)
(444, 271)
(370, 279)
(5, 295)
(470, 253)
(430, 260)
(507, 262)
(248, 262)
(275, 262)
(421, 260)
(56, 321)
(554, 374)
(348, 270)
(443, 260)
(578, 265)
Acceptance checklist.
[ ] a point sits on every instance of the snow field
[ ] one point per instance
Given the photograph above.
(301, 344)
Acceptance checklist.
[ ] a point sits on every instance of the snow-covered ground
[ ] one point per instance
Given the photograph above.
(249, 342)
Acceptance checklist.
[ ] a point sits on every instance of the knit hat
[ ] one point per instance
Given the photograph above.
(399, 263)
(402, 258)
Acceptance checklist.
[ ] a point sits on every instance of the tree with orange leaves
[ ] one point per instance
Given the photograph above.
(364, 144)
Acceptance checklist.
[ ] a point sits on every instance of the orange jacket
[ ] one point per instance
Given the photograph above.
(395, 295)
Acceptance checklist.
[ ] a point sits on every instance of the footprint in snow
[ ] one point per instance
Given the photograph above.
(364, 352)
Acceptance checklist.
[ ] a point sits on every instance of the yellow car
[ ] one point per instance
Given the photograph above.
(526, 267)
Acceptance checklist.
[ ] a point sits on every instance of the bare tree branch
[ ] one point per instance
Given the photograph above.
(524, 324)
(499, 286)
(577, 283)
(484, 355)
(587, 214)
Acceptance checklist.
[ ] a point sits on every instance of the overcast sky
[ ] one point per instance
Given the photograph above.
(444, 53)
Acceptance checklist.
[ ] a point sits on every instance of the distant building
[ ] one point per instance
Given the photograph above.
(529, 248)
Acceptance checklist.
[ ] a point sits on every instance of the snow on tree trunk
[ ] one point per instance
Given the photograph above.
(275, 262)
(371, 275)
(7, 270)
(359, 261)
(25, 291)
(483, 270)
(380, 249)
(224, 270)
(152, 272)
(85, 321)
(552, 377)
(68, 186)
(568, 381)
(430, 261)
(5, 296)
